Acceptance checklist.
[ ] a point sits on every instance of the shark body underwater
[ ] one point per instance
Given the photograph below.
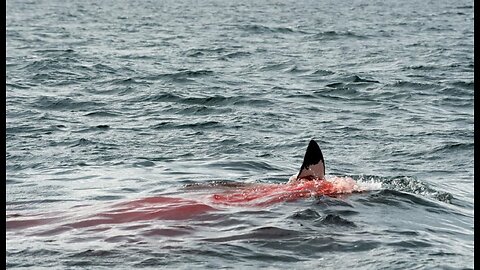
(310, 181)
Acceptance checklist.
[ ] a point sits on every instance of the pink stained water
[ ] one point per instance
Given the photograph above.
(176, 208)
(143, 209)
(268, 194)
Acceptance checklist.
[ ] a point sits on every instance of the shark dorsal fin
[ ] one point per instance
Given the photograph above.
(313, 166)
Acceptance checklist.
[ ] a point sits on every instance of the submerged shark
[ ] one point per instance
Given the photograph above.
(310, 181)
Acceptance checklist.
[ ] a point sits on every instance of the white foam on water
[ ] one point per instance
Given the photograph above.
(347, 184)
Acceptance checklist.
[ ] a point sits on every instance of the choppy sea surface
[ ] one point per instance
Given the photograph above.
(112, 103)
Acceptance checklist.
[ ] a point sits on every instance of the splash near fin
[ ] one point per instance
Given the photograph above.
(313, 166)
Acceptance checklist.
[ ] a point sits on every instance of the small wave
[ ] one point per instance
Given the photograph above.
(188, 74)
(215, 184)
(92, 253)
(17, 85)
(335, 220)
(101, 114)
(82, 142)
(254, 102)
(421, 67)
(52, 64)
(410, 244)
(55, 51)
(457, 91)
(106, 197)
(56, 103)
(458, 103)
(414, 85)
(161, 97)
(104, 68)
(199, 110)
(336, 85)
(398, 198)
(268, 232)
(453, 147)
(204, 101)
(168, 232)
(296, 69)
(403, 184)
(145, 163)
(90, 129)
(211, 100)
(412, 185)
(331, 35)
(59, 78)
(198, 125)
(358, 79)
(28, 129)
(339, 91)
(320, 73)
(180, 76)
(204, 51)
(235, 55)
(329, 201)
(260, 29)
(259, 233)
(331, 244)
(127, 81)
(274, 66)
(305, 214)
(246, 165)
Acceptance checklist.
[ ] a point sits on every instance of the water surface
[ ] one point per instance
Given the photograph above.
(114, 101)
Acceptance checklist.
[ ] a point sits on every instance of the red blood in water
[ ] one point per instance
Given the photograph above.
(267, 194)
(163, 208)
(174, 208)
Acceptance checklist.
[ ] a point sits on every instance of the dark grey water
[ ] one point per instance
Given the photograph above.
(112, 101)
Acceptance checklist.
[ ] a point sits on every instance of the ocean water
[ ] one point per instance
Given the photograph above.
(124, 118)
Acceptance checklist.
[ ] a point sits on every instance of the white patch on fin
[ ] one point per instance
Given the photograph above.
(314, 171)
